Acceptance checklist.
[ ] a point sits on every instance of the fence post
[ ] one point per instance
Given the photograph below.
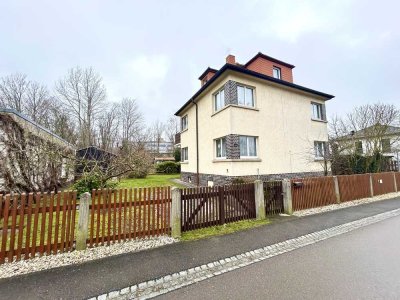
(371, 184)
(221, 198)
(395, 182)
(176, 208)
(259, 199)
(83, 221)
(337, 191)
(287, 196)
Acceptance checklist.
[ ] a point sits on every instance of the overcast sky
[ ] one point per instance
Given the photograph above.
(154, 51)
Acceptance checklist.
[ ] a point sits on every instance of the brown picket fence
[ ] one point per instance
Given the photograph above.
(125, 214)
(209, 206)
(354, 187)
(383, 183)
(397, 176)
(312, 192)
(36, 224)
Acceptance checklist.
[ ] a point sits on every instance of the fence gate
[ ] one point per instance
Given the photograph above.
(209, 206)
(273, 197)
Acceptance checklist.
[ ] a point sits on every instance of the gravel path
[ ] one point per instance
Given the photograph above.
(77, 257)
(317, 210)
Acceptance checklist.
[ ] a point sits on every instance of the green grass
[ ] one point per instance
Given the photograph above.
(222, 229)
(156, 180)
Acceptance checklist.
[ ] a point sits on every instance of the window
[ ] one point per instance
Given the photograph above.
(319, 149)
(386, 146)
(184, 123)
(317, 111)
(359, 147)
(276, 72)
(248, 147)
(219, 100)
(184, 154)
(245, 96)
(220, 148)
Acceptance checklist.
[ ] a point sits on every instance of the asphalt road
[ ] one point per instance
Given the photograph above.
(362, 264)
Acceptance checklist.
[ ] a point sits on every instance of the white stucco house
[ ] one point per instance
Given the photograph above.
(251, 121)
(382, 138)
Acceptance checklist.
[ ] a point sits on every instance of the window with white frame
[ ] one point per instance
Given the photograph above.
(184, 123)
(220, 148)
(386, 146)
(219, 100)
(317, 111)
(184, 154)
(245, 96)
(319, 149)
(276, 72)
(248, 146)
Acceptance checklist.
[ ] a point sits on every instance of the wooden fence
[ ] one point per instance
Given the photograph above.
(312, 192)
(397, 176)
(125, 214)
(354, 187)
(36, 224)
(383, 183)
(208, 206)
(273, 197)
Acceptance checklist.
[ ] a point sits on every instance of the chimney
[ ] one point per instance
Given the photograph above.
(230, 59)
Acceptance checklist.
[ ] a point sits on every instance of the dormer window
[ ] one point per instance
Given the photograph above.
(276, 72)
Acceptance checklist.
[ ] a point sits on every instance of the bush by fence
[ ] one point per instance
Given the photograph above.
(168, 167)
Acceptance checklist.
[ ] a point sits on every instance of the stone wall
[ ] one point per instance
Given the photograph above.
(221, 179)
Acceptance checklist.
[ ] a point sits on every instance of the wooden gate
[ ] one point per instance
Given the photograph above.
(209, 206)
(273, 197)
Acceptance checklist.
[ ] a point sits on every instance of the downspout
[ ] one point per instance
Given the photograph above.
(197, 144)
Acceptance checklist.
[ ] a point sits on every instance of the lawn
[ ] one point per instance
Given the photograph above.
(154, 180)
(222, 229)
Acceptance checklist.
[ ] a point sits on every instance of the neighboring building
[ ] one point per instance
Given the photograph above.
(252, 121)
(158, 160)
(385, 139)
(32, 157)
(161, 147)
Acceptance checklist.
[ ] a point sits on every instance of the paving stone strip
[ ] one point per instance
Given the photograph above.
(159, 286)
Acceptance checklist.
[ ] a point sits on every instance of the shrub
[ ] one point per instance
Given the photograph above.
(88, 182)
(177, 154)
(168, 167)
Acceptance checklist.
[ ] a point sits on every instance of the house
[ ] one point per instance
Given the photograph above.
(32, 157)
(251, 121)
(384, 139)
(158, 160)
(160, 147)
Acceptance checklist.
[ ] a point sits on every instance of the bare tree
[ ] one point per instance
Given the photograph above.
(61, 124)
(171, 128)
(108, 127)
(131, 120)
(38, 103)
(157, 131)
(13, 90)
(83, 94)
